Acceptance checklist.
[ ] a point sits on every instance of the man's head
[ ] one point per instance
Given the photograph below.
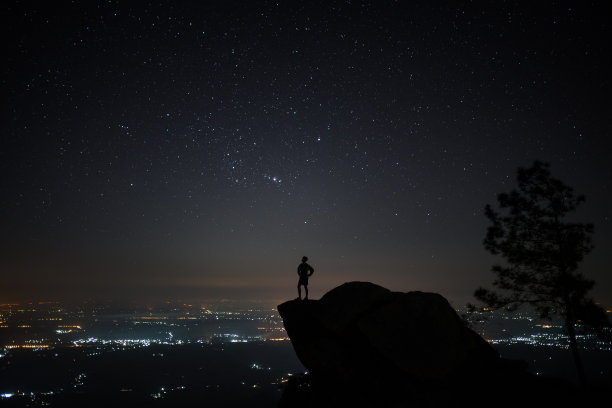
(304, 258)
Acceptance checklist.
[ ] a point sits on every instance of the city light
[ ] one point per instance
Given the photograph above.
(99, 330)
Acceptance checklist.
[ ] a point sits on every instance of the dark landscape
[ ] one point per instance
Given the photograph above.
(324, 203)
(360, 344)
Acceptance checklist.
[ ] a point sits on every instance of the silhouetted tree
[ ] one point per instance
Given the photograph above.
(542, 252)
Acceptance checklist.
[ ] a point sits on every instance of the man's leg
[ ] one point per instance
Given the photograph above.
(299, 292)
(306, 289)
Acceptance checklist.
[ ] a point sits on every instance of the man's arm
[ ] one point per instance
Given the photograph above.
(311, 270)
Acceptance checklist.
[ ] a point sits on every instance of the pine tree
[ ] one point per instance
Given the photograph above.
(542, 251)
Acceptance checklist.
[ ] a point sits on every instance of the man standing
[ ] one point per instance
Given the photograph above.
(304, 271)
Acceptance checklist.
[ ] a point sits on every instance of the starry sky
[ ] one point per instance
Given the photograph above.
(198, 150)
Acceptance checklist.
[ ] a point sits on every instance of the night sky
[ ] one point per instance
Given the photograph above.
(197, 150)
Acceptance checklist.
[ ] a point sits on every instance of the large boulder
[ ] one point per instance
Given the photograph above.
(367, 346)
(362, 325)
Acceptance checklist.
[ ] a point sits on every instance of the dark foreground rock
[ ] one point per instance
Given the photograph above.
(364, 345)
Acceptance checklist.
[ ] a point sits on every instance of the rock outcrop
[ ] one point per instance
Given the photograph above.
(364, 345)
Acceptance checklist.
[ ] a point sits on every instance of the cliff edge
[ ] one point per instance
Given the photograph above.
(367, 346)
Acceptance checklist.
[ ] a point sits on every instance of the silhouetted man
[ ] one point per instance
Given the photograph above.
(304, 271)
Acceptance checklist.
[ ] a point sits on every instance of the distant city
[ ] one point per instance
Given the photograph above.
(55, 354)
(52, 324)
(525, 328)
